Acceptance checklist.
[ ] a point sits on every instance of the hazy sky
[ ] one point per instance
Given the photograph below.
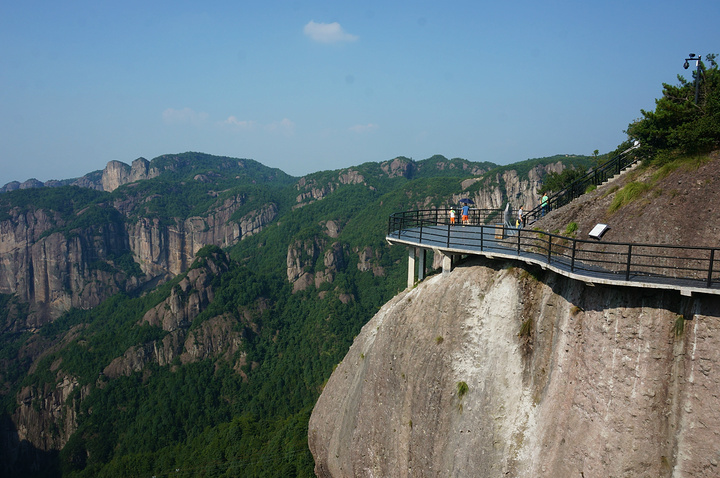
(313, 85)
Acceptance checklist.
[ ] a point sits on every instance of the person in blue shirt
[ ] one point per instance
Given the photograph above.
(466, 214)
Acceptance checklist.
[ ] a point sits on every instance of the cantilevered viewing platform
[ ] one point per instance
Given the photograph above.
(687, 269)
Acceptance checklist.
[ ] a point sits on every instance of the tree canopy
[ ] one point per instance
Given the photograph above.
(679, 126)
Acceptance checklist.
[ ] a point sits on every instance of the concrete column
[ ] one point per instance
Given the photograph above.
(447, 263)
(421, 263)
(411, 267)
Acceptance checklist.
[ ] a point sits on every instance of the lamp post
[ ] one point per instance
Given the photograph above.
(697, 73)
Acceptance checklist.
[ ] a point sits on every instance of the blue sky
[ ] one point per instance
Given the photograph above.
(314, 85)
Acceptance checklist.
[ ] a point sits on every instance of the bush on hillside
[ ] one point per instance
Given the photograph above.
(556, 182)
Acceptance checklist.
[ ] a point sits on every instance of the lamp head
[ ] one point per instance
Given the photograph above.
(692, 55)
(686, 65)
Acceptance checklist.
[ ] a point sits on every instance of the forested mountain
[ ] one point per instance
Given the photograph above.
(181, 315)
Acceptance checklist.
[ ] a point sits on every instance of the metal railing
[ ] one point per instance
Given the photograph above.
(688, 266)
(578, 187)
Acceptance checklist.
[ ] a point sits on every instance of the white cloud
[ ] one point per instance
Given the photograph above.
(363, 128)
(185, 115)
(284, 126)
(327, 32)
(239, 124)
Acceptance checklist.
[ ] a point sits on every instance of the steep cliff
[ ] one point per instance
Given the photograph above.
(53, 269)
(117, 173)
(215, 336)
(55, 263)
(498, 370)
(494, 189)
(166, 250)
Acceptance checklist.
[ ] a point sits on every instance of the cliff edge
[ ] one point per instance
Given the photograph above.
(502, 370)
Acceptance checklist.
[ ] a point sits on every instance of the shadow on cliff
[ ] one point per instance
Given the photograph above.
(20, 459)
(600, 297)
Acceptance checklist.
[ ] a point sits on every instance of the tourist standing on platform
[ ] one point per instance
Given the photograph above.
(521, 218)
(452, 215)
(466, 214)
(544, 205)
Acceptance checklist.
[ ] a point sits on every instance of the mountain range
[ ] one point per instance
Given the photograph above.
(185, 312)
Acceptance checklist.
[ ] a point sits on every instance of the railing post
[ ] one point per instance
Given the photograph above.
(448, 236)
(629, 260)
(549, 248)
(420, 239)
(710, 268)
(482, 237)
(572, 258)
(518, 244)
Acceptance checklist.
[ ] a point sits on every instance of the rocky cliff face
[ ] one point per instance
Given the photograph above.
(304, 267)
(117, 173)
(167, 250)
(311, 190)
(216, 336)
(56, 271)
(46, 416)
(495, 370)
(508, 185)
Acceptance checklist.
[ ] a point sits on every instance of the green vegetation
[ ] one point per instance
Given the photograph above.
(678, 127)
(571, 228)
(679, 326)
(462, 389)
(526, 328)
(576, 164)
(628, 194)
(556, 182)
(66, 201)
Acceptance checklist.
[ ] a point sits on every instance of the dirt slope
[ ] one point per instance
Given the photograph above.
(680, 208)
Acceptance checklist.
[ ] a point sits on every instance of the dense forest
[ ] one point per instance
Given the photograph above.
(242, 408)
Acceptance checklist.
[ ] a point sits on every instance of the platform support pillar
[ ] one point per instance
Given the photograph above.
(447, 262)
(422, 257)
(411, 267)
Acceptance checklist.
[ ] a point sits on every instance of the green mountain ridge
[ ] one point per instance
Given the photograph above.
(241, 411)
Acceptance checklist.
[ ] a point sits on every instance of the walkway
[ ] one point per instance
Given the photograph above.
(690, 270)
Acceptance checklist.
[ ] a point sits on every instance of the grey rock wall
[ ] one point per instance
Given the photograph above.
(562, 380)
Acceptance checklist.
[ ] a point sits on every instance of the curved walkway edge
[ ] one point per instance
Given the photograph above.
(690, 270)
